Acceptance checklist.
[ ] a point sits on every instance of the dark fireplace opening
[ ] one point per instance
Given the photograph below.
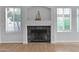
(38, 33)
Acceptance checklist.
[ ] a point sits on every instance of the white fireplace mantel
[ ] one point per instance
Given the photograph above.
(35, 23)
(38, 23)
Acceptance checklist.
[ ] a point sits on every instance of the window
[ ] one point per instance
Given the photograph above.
(63, 19)
(13, 19)
(77, 20)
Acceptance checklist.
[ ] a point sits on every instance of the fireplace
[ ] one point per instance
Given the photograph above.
(39, 33)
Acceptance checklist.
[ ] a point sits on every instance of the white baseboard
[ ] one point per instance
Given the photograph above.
(24, 42)
(11, 42)
(51, 42)
(65, 42)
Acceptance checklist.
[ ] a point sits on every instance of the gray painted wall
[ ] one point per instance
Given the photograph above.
(50, 16)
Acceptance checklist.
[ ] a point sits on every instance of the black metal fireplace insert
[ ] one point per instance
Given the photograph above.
(39, 33)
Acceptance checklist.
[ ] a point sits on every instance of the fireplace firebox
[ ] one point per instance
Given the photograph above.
(39, 33)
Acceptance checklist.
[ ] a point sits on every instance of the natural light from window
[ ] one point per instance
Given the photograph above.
(63, 19)
(13, 19)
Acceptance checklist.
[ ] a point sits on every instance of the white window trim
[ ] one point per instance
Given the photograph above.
(5, 21)
(62, 15)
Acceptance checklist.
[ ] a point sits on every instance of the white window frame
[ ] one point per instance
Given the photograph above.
(77, 18)
(5, 20)
(63, 15)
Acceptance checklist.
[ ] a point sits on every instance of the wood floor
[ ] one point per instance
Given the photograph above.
(39, 47)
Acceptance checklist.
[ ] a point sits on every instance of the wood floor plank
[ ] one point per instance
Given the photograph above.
(39, 47)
